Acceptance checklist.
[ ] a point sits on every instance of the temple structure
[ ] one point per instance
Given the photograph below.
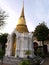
(20, 41)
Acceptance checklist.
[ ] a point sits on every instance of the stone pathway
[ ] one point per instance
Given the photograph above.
(10, 61)
(13, 62)
(46, 62)
(5, 64)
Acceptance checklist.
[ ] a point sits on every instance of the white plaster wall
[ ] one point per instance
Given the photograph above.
(22, 42)
(9, 44)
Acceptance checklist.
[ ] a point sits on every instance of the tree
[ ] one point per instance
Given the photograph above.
(41, 32)
(3, 40)
(3, 16)
(48, 35)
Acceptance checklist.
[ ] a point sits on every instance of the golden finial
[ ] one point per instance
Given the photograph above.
(22, 13)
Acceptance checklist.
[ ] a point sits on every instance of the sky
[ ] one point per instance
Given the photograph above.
(36, 11)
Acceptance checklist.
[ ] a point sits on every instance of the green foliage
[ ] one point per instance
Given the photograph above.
(3, 40)
(41, 32)
(0, 53)
(3, 16)
(25, 62)
(28, 52)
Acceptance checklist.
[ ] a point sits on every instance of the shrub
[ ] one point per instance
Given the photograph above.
(25, 62)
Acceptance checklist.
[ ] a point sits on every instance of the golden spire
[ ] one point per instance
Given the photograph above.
(22, 13)
(22, 17)
(21, 26)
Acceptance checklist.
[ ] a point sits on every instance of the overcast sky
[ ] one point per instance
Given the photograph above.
(36, 11)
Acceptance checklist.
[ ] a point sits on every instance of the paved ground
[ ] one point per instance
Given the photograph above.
(46, 62)
(5, 64)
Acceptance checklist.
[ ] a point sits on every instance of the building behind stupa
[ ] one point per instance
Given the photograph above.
(20, 41)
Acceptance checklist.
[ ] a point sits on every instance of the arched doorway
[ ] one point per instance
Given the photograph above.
(13, 44)
(35, 45)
